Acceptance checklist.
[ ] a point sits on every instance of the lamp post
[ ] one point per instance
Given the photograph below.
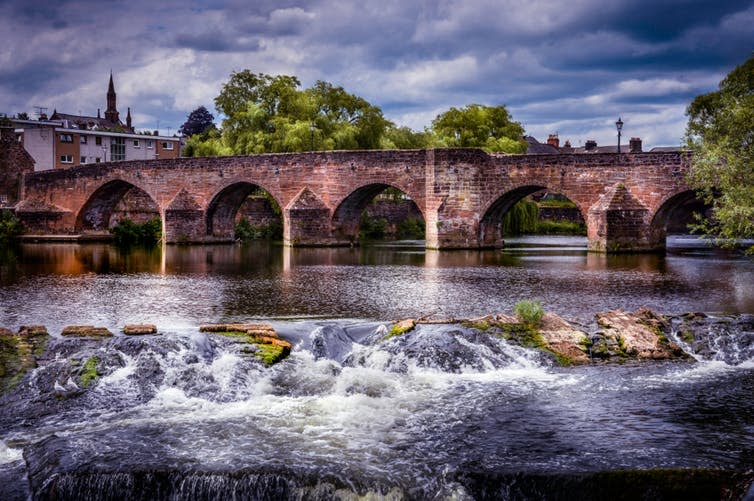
(311, 130)
(619, 126)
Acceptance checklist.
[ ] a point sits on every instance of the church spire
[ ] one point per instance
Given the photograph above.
(111, 113)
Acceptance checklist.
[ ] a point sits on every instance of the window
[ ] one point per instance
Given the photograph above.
(167, 145)
(136, 143)
(97, 160)
(117, 149)
(3, 198)
(98, 140)
(83, 159)
(150, 143)
(83, 139)
(66, 138)
(66, 159)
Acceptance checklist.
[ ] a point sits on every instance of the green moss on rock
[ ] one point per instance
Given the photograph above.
(89, 373)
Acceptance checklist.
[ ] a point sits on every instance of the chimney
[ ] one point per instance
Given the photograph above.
(634, 146)
(590, 145)
(553, 140)
(156, 133)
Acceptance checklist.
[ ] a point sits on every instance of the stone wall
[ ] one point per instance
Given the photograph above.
(15, 161)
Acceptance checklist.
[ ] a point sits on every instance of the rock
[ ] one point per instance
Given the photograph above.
(271, 350)
(85, 331)
(139, 329)
(32, 330)
(402, 327)
(638, 335)
(18, 353)
(564, 339)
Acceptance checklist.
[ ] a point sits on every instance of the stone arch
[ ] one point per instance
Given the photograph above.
(490, 232)
(224, 207)
(112, 202)
(347, 214)
(674, 214)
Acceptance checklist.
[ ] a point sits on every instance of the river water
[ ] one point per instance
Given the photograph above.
(441, 413)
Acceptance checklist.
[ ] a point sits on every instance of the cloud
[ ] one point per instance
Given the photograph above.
(572, 67)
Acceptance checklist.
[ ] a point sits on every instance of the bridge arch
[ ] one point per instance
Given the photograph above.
(674, 214)
(346, 217)
(223, 209)
(112, 202)
(490, 232)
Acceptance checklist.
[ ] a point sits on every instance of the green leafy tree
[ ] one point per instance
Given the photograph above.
(198, 121)
(404, 138)
(479, 126)
(720, 134)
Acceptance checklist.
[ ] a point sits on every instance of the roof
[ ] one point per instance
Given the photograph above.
(536, 148)
(665, 149)
(85, 122)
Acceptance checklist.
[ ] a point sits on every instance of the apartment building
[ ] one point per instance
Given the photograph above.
(66, 140)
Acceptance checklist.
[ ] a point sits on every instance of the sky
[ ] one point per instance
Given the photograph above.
(570, 68)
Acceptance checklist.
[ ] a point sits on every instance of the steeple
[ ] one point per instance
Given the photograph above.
(128, 119)
(111, 113)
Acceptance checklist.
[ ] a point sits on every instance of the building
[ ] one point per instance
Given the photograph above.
(66, 140)
(14, 163)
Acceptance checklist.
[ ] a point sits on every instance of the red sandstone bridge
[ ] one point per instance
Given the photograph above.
(626, 200)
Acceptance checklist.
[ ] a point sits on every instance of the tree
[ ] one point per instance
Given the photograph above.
(479, 126)
(197, 122)
(265, 113)
(22, 116)
(720, 135)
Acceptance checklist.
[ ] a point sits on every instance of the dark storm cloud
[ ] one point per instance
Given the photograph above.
(558, 66)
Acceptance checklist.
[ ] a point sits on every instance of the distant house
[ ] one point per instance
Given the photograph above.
(553, 147)
(65, 140)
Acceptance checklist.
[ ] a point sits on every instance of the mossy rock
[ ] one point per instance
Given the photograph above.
(86, 331)
(261, 339)
(18, 353)
(402, 327)
(89, 372)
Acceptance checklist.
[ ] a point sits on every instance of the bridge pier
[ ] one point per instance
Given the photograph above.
(619, 223)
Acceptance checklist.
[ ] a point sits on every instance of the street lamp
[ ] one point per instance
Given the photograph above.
(619, 126)
(311, 130)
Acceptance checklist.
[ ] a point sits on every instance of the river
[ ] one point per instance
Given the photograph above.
(442, 413)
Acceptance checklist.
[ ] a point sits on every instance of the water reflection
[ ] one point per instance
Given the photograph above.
(193, 284)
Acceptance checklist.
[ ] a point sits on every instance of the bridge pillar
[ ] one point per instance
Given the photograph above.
(184, 221)
(307, 221)
(619, 223)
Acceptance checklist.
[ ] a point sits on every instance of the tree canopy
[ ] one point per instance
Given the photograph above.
(479, 126)
(197, 122)
(720, 134)
(268, 114)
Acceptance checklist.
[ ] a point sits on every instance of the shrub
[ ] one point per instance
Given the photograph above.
(372, 228)
(411, 229)
(10, 226)
(529, 312)
(246, 231)
(127, 232)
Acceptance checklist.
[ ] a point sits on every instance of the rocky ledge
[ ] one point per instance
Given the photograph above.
(616, 336)
(260, 340)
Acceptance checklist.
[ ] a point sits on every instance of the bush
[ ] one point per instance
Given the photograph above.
(411, 229)
(246, 231)
(10, 226)
(126, 232)
(529, 312)
(371, 228)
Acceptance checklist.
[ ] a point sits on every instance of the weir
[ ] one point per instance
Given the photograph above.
(627, 200)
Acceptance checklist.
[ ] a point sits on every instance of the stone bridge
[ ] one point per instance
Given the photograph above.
(626, 200)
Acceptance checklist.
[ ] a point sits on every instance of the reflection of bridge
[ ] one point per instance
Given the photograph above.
(626, 200)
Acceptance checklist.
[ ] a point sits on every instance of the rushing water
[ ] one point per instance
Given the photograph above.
(443, 412)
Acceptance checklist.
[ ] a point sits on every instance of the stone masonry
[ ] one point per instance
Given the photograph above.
(626, 200)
